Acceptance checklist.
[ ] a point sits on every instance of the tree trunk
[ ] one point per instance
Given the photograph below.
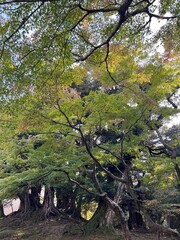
(120, 214)
(25, 206)
(59, 198)
(1, 210)
(117, 198)
(114, 209)
(176, 166)
(72, 202)
(157, 227)
(135, 218)
(35, 198)
(30, 200)
(48, 204)
(77, 208)
(98, 220)
(69, 201)
(64, 196)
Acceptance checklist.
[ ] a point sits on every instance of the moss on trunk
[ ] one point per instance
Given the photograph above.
(98, 221)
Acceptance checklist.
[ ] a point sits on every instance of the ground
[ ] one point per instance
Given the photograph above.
(14, 227)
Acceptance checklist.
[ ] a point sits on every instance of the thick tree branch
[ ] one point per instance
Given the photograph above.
(96, 160)
(78, 184)
(174, 151)
(161, 17)
(97, 184)
(156, 151)
(108, 151)
(107, 66)
(56, 122)
(104, 9)
(122, 18)
(66, 117)
(79, 21)
(117, 27)
(171, 102)
(167, 146)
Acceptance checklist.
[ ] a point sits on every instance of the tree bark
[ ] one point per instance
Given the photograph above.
(120, 214)
(35, 198)
(1, 210)
(110, 213)
(77, 208)
(176, 166)
(48, 204)
(157, 227)
(98, 219)
(30, 200)
(58, 197)
(64, 196)
(25, 206)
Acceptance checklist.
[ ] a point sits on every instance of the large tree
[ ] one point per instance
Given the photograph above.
(93, 139)
(83, 89)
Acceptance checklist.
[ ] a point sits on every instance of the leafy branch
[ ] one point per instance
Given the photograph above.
(24, 21)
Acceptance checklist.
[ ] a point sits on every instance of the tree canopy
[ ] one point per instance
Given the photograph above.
(40, 37)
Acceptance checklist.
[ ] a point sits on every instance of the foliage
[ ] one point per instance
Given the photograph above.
(85, 97)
